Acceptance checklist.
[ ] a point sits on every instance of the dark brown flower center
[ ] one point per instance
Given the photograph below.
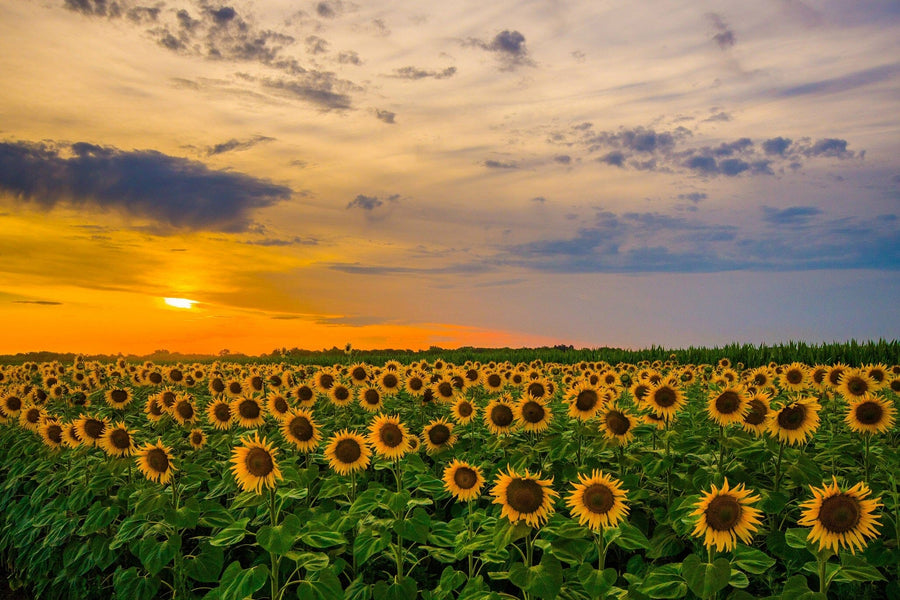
(723, 513)
(895, 386)
(472, 375)
(533, 412)
(757, 413)
(256, 382)
(641, 390)
(33, 415)
(196, 438)
(415, 383)
(869, 413)
(304, 393)
(465, 478)
(54, 433)
(524, 495)
(536, 389)
(664, 397)
(259, 462)
(390, 435)
(598, 498)
(168, 398)
(445, 389)
(222, 412)
(275, 380)
(618, 422)
(301, 428)
(877, 375)
(185, 410)
(341, 393)
(280, 404)
(494, 380)
(840, 513)
(157, 460)
(118, 396)
(176, 375)
(326, 381)
(94, 428)
(501, 415)
(235, 387)
(760, 379)
(154, 408)
(390, 381)
(834, 376)
(359, 374)
(794, 376)
(13, 403)
(371, 397)
(857, 386)
(217, 385)
(439, 434)
(120, 439)
(792, 417)
(464, 409)
(348, 451)
(155, 378)
(248, 409)
(728, 402)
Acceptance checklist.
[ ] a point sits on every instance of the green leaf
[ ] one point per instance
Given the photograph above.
(631, 538)
(367, 501)
(148, 501)
(752, 560)
(156, 554)
(543, 580)
(238, 583)
(207, 565)
(797, 588)
(231, 534)
(128, 583)
(571, 551)
(367, 545)
(856, 568)
(98, 517)
(396, 501)
(357, 590)
(415, 527)
(738, 579)
(795, 537)
(664, 582)
(596, 583)
(395, 591)
(705, 579)
(279, 539)
(129, 529)
(187, 516)
(213, 514)
(311, 561)
(451, 579)
(323, 539)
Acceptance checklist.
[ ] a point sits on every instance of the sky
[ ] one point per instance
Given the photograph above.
(406, 174)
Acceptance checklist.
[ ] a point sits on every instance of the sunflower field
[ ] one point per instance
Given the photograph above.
(443, 481)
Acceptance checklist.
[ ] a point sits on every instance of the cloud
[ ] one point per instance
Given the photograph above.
(496, 164)
(294, 241)
(693, 196)
(563, 159)
(173, 191)
(844, 83)
(234, 145)
(794, 215)
(614, 158)
(320, 89)
(40, 302)
(509, 48)
(777, 145)
(414, 73)
(315, 45)
(349, 57)
(724, 36)
(385, 115)
(831, 147)
(329, 9)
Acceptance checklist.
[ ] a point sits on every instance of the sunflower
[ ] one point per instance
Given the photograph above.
(414, 384)
(306, 395)
(617, 424)
(795, 422)
(598, 500)
(758, 409)
(492, 381)
(216, 385)
(463, 411)
(175, 375)
(665, 399)
(12, 404)
(340, 394)
(31, 417)
(894, 385)
(91, 429)
(118, 440)
(854, 383)
(724, 363)
(167, 399)
(584, 401)
(870, 414)
(155, 462)
(254, 464)
(255, 384)
(651, 418)
(218, 413)
(726, 515)
(184, 410)
(438, 435)
(70, 435)
(247, 412)
(277, 405)
(276, 380)
(388, 436)
(499, 416)
(840, 518)
(51, 433)
(524, 497)
(300, 429)
(347, 452)
(532, 414)
(234, 388)
(197, 438)
(538, 389)
(760, 377)
(833, 377)
(358, 373)
(118, 397)
(444, 390)
(389, 381)
(369, 397)
(463, 480)
(639, 389)
(728, 406)
(877, 374)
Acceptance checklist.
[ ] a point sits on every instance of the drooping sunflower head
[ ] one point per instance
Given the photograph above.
(795, 422)
(870, 414)
(728, 406)
(499, 415)
(155, 462)
(757, 416)
(524, 497)
(584, 401)
(840, 518)
(300, 429)
(725, 515)
(118, 440)
(347, 452)
(463, 480)
(197, 438)
(532, 414)
(854, 383)
(388, 436)
(665, 399)
(277, 405)
(617, 424)
(118, 397)
(639, 390)
(91, 429)
(51, 433)
(247, 412)
(438, 436)
(254, 464)
(598, 500)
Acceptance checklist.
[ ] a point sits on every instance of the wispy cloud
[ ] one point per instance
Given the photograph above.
(509, 48)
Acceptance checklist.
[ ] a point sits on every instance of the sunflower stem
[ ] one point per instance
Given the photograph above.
(601, 549)
(866, 457)
(273, 559)
(778, 467)
(721, 449)
(822, 557)
(469, 539)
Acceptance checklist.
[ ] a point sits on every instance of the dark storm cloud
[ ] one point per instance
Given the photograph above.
(171, 190)
(496, 164)
(614, 158)
(844, 83)
(831, 147)
(415, 73)
(233, 145)
(508, 46)
(724, 36)
(385, 115)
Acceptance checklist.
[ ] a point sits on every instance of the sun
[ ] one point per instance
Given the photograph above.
(180, 302)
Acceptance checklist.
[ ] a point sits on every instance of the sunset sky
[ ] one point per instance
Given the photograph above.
(405, 174)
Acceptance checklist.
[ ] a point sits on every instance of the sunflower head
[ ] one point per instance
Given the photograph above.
(463, 480)
(757, 416)
(347, 452)
(253, 464)
(463, 411)
(855, 383)
(584, 401)
(389, 436)
(532, 413)
(870, 414)
(118, 440)
(247, 412)
(91, 429)
(617, 424)
(218, 413)
(118, 397)
(300, 429)
(51, 433)
(197, 438)
(665, 399)
(499, 415)
(277, 405)
(724, 515)
(795, 422)
(438, 435)
(598, 500)
(340, 394)
(524, 497)
(155, 462)
(840, 518)
(728, 406)
(305, 394)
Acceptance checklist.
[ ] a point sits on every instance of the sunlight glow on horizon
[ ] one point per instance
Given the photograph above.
(179, 302)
